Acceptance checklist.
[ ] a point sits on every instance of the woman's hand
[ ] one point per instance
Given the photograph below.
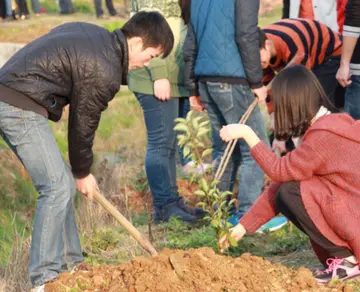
(237, 233)
(234, 131)
(237, 131)
(280, 145)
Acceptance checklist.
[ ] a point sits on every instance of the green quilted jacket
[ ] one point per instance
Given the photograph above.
(172, 68)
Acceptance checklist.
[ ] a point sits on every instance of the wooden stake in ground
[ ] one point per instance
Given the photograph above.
(125, 223)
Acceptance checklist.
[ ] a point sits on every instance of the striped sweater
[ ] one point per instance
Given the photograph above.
(352, 29)
(327, 165)
(310, 41)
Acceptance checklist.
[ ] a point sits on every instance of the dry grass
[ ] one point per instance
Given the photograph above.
(15, 276)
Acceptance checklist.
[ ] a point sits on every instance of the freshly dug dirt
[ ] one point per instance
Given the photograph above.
(195, 270)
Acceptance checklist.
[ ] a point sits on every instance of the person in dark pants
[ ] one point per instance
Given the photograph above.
(66, 7)
(349, 71)
(109, 6)
(81, 65)
(2, 10)
(35, 5)
(222, 69)
(23, 9)
(158, 88)
(317, 185)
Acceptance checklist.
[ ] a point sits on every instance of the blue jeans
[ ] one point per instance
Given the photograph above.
(352, 98)
(226, 104)
(184, 108)
(109, 5)
(35, 4)
(55, 241)
(216, 144)
(160, 163)
(66, 7)
(8, 6)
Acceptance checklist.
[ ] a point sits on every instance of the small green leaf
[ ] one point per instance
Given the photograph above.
(193, 157)
(228, 224)
(195, 123)
(189, 115)
(200, 145)
(204, 186)
(203, 124)
(186, 151)
(212, 192)
(206, 153)
(181, 128)
(232, 201)
(202, 132)
(232, 241)
(215, 223)
(180, 120)
(199, 193)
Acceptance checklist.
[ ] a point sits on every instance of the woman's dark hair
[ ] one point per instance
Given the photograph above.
(297, 96)
(152, 28)
(185, 6)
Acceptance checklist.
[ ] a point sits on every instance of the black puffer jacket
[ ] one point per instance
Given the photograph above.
(80, 64)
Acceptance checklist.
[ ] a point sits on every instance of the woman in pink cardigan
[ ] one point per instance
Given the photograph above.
(317, 185)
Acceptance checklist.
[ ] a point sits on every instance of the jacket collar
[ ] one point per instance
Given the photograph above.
(123, 52)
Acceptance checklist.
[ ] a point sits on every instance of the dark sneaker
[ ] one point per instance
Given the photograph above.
(337, 268)
(197, 212)
(164, 213)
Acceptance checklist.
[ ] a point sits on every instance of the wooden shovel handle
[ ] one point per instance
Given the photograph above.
(125, 223)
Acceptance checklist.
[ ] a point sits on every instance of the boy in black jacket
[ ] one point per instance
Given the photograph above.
(82, 65)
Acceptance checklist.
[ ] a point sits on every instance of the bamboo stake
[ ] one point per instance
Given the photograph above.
(125, 223)
(231, 145)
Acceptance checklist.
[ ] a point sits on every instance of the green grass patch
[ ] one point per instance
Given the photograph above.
(51, 6)
(114, 25)
(271, 17)
(281, 242)
(10, 225)
(119, 115)
(17, 204)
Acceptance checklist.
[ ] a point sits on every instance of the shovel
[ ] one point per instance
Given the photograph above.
(125, 223)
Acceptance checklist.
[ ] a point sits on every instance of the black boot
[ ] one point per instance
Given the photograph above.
(197, 212)
(164, 213)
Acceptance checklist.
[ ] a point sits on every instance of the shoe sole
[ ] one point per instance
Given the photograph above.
(320, 282)
(273, 228)
(343, 279)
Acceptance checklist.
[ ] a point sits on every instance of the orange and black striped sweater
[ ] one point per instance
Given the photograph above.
(310, 41)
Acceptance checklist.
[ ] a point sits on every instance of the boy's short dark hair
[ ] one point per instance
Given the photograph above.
(152, 28)
(262, 38)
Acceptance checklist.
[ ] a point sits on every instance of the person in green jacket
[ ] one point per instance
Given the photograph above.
(158, 88)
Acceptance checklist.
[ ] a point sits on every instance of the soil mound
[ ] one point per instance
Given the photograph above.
(195, 270)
